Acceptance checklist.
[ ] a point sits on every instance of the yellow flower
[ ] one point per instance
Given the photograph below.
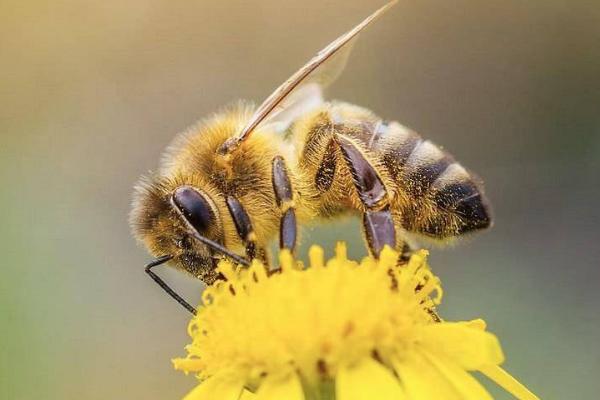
(340, 330)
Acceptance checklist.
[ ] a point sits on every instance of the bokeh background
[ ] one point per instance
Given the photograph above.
(91, 92)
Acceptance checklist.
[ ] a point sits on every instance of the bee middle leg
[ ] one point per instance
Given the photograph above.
(282, 186)
(378, 222)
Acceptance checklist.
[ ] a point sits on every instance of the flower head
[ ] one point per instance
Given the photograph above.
(337, 330)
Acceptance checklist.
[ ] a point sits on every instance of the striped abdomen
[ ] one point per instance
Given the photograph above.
(436, 197)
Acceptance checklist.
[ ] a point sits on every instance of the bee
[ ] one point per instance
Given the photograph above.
(229, 185)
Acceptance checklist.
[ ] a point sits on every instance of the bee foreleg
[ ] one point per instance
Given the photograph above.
(377, 218)
(282, 187)
(243, 226)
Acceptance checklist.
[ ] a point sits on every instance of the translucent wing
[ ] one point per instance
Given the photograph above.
(303, 89)
(305, 98)
(308, 94)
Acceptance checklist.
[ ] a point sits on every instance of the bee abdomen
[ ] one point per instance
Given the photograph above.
(443, 198)
(397, 143)
(457, 192)
(414, 162)
(423, 167)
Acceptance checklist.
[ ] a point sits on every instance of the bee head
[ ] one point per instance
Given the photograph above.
(167, 215)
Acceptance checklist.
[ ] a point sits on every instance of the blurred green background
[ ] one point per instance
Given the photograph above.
(91, 92)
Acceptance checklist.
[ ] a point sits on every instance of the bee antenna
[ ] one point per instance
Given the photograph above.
(159, 261)
(163, 259)
(221, 249)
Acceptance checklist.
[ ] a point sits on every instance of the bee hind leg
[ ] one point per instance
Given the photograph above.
(405, 254)
(378, 223)
(379, 230)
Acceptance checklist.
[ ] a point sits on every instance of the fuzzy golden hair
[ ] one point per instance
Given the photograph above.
(256, 172)
(192, 160)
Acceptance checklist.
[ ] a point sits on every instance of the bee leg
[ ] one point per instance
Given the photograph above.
(282, 187)
(378, 222)
(163, 284)
(379, 230)
(243, 227)
(405, 255)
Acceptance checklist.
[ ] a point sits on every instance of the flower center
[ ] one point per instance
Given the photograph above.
(310, 321)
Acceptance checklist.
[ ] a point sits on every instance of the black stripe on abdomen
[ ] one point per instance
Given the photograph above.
(464, 199)
(474, 212)
(450, 194)
(397, 144)
(424, 165)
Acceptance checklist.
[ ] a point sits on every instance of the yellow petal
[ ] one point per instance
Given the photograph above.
(367, 380)
(247, 395)
(187, 364)
(508, 383)
(316, 256)
(422, 381)
(216, 388)
(278, 388)
(463, 382)
(475, 323)
(469, 346)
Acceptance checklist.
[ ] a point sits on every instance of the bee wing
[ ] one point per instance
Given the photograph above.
(304, 99)
(308, 94)
(303, 90)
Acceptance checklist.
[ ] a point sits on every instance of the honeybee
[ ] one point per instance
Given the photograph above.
(229, 185)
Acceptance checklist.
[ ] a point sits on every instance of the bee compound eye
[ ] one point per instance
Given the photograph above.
(194, 207)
